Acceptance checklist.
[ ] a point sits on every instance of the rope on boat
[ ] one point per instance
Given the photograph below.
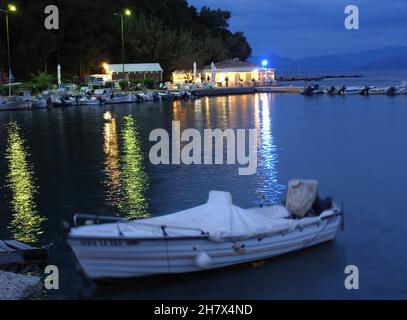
(343, 218)
(166, 247)
(317, 234)
(136, 222)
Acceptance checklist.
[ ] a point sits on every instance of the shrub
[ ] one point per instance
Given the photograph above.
(148, 83)
(123, 84)
(137, 81)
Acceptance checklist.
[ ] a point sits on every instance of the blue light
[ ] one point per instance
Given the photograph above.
(264, 63)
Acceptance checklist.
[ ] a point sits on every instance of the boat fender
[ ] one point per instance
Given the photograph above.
(203, 260)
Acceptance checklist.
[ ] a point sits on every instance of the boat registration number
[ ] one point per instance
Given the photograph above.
(100, 243)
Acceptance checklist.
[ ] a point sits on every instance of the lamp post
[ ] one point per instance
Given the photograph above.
(11, 8)
(126, 12)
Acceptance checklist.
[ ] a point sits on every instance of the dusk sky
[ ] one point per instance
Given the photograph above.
(299, 28)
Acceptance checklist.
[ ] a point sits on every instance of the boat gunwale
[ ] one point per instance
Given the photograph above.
(202, 237)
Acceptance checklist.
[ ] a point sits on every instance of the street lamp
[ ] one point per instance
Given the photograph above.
(126, 12)
(10, 8)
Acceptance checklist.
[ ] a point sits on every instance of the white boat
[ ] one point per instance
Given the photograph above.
(312, 90)
(123, 98)
(353, 90)
(89, 101)
(378, 90)
(15, 103)
(39, 102)
(107, 96)
(65, 101)
(166, 96)
(214, 235)
(178, 95)
(18, 256)
(402, 90)
(150, 96)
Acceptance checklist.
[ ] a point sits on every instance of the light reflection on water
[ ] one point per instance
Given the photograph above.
(126, 179)
(112, 164)
(242, 112)
(26, 223)
(269, 189)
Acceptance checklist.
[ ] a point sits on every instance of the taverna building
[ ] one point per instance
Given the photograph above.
(227, 73)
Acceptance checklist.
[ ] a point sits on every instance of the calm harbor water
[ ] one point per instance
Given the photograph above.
(353, 145)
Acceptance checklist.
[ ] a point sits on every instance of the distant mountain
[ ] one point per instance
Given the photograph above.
(394, 58)
(395, 63)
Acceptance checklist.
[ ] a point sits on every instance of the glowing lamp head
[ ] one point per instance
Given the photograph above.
(105, 66)
(127, 12)
(12, 8)
(264, 63)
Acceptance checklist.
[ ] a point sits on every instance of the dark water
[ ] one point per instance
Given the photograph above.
(353, 145)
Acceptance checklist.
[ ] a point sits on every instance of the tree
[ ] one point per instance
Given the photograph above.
(214, 19)
(41, 81)
(170, 32)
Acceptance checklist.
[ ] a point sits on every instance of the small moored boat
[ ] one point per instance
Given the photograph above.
(377, 90)
(15, 103)
(353, 90)
(312, 90)
(214, 235)
(15, 255)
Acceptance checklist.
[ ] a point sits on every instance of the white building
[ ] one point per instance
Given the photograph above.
(135, 71)
(234, 72)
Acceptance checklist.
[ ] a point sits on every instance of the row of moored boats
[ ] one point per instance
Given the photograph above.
(361, 90)
(62, 98)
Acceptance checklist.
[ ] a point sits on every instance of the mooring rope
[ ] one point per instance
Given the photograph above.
(318, 233)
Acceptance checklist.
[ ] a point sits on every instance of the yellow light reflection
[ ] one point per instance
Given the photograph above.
(112, 162)
(177, 111)
(198, 113)
(26, 223)
(208, 112)
(134, 179)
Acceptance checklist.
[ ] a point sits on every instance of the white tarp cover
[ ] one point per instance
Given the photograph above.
(218, 217)
(301, 195)
(221, 219)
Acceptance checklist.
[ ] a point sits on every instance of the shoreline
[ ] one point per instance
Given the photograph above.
(14, 286)
(210, 92)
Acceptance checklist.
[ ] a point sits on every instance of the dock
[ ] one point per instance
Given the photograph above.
(223, 91)
(246, 90)
(280, 89)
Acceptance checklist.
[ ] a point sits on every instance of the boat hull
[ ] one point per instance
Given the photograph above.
(110, 258)
(16, 105)
(123, 99)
